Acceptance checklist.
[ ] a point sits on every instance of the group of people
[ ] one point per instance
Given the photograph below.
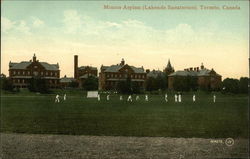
(177, 98)
(57, 100)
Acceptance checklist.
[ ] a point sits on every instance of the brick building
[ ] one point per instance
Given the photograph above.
(111, 75)
(83, 72)
(21, 72)
(205, 78)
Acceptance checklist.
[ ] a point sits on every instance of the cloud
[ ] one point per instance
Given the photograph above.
(6, 24)
(23, 28)
(37, 22)
(72, 21)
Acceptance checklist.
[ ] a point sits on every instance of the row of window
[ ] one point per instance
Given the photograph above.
(120, 75)
(26, 81)
(34, 73)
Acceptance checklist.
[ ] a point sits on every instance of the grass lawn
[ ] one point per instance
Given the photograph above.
(34, 113)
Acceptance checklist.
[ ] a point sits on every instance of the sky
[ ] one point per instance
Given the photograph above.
(57, 30)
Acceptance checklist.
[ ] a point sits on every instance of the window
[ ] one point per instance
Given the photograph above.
(35, 66)
(28, 72)
(14, 72)
(51, 73)
(41, 73)
(23, 73)
(55, 74)
(46, 73)
(107, 75)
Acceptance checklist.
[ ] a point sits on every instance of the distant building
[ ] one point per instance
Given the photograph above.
(21, 72)
(111, 75)
(169, 69)
(83, 72)
(66, 81)
(206, 78)
(154, 73)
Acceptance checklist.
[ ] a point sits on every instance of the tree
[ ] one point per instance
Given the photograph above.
(6, 83)
(125, 86)
(230, 85)
(185, 83)
(91, 83)
(37, 84)
(243, 85)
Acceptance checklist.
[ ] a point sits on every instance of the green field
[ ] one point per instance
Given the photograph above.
(35, 113)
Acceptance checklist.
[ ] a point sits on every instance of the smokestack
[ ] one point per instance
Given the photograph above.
(75, 67)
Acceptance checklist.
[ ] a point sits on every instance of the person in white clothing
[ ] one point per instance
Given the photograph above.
(166, 97)
(121, 98)
(179, 97)
(214, 98)
(194, 98)
(108, 97)
(175, 98)
(98, 97)
(57, 100)
(137, 98)
(146, 97)
(129, 98)
(64, 97)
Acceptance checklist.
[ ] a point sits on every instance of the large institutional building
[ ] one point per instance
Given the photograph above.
(206, 78)
(111, 75)
(21, 72)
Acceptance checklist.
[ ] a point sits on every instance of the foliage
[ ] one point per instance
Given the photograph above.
(230, 85)
(37, 84)
(158, 83)
(6, 83)
(91, 83)
(186, 83)
(243, 85)
(73, 84)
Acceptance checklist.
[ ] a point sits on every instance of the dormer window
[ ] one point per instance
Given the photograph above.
(35, 66)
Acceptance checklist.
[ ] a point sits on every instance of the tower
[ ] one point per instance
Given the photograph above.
(169, 69)
(75, 66)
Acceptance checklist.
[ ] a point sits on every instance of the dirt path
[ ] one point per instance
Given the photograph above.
(26, 146)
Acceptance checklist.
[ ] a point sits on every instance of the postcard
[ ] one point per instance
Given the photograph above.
(133, 79)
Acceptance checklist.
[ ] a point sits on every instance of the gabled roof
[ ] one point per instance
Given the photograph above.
(84, 67)
(116, 68)
(25, 64)
(67, 79)
(21, 65)
(49, 66)
(202, 72)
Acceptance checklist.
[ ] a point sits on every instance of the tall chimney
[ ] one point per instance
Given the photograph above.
(34, 58)
(75, 67)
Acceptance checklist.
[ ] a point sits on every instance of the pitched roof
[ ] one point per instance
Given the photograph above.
(87, 75)
(21, 65)
(83, 67)
(25, 64)
(116, 68)
(202, 72)
(67, 79)
(155, 73)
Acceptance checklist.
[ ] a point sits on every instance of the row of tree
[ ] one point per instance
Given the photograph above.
(228, 85)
